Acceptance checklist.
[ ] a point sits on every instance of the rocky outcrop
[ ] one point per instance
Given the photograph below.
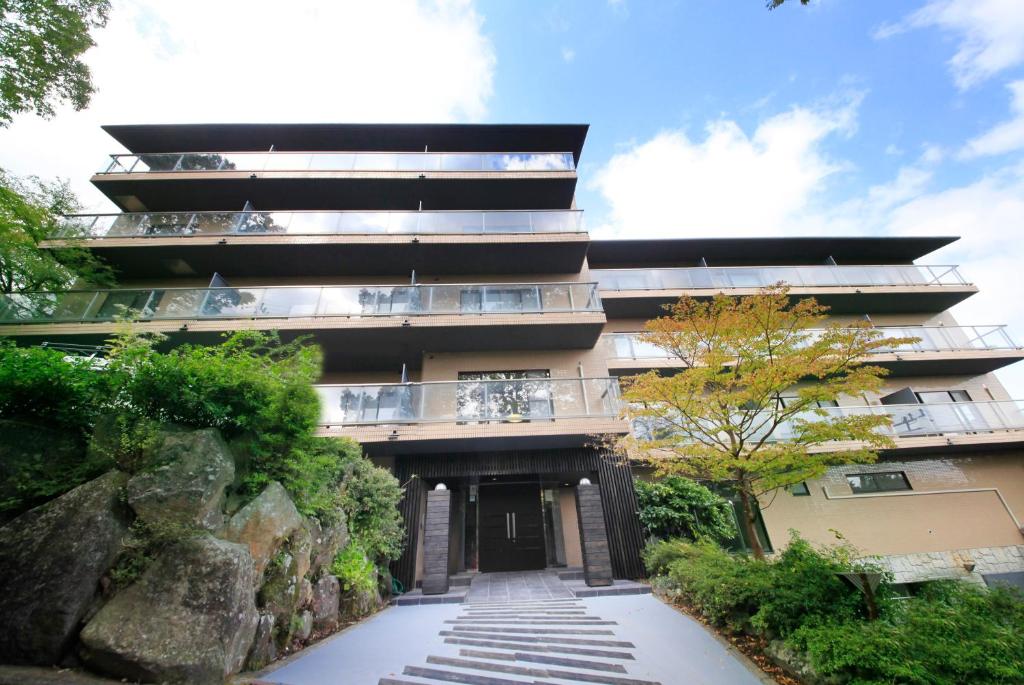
(263, 649)
(328, 540)
(358, 603)
(187, 482)
(191, 618)
(281, 593)
(325, 603)
(51, 561)
(264, 525)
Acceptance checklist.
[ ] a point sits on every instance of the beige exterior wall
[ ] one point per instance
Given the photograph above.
(956, 503)
(570, 527)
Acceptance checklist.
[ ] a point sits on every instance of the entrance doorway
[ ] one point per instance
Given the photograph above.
(511, 528)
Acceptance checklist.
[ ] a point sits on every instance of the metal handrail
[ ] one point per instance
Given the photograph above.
(926, 344)
(364, 300)
(702, 277)
(567, 160)
(254, 222)
(412, 403)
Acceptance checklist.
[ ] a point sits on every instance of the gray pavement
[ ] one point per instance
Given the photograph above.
(618, 640)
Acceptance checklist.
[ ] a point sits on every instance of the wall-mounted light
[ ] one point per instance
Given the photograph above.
(584, 481)
(440, 486)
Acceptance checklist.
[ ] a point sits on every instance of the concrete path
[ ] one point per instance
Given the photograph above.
(511, 587)
(623, 640)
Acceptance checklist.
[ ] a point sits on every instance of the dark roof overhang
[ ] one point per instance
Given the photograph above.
(352, 137)
(606, 254)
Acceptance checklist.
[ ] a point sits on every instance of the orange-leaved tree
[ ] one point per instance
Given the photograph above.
(751, 406)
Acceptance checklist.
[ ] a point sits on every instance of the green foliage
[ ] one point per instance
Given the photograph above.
(354, 569)
(144, 543)
(41, 45)
(369, 497)
(772, 4)
(950, 635)
(677, 507)
(772, 597)
(37, 383)
(30, 211)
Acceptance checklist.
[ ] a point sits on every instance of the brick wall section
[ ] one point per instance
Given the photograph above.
(597, 562)
(924, 566)
(435, 542)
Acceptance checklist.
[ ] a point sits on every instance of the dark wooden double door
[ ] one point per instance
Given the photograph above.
(511, 528)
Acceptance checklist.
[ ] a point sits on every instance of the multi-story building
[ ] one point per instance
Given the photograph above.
(473, 336)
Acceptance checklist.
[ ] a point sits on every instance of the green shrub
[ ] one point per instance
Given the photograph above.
(805, 588)
(370, 497)
(37, 383)
(677, 507)
(354, 569)
(953, 634)
(659, 555)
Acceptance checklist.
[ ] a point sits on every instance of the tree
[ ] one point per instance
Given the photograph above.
(747, 409)
(772, 4)
(30, 211)
(677, 507)
(41, 42)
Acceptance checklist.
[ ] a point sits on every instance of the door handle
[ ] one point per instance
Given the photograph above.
(508, 527)
(513, 525)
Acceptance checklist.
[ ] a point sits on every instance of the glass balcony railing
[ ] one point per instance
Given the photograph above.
(172, 224)
(931, 339)
(722, 277)
(908, 420)
(83, 306)
(485, 401)
(174, 162)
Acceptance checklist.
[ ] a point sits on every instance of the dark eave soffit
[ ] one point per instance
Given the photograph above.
(372, 137)
(607, 254)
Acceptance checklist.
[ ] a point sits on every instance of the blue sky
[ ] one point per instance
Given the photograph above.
(708, 117)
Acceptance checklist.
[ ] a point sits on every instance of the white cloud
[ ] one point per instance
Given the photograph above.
(733, 184)
(200, 61)
(1005, 137)
(991, 35)
(568, 54)
(729, 181)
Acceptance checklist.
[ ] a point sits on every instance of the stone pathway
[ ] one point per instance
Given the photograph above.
(510, 587)
(521, 629)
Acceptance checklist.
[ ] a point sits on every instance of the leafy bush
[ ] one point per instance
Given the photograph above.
(369, 497)
(37, 383)
(354, 569)
(774, 597)
(951, 634)
(677, 507)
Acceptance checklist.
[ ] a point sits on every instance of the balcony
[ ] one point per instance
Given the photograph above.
(845, 289)
(968, 350)
(311, 243)
(361, 327)
(469, 415)
(931, 428)
(340, 180)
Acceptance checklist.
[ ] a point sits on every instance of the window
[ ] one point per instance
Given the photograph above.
(789, 401)
(882, 481)
(799, 489)
(943, 396)
(498, 395)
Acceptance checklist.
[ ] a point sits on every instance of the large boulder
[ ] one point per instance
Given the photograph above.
(326, 595)
(281, 593)
(328, 540)
(51, 561)
(357, 603)
(263, 649)
(264, 524)
(187, 482)
(191, 618)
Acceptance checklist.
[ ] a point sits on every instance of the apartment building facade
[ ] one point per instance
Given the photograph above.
(474, 334)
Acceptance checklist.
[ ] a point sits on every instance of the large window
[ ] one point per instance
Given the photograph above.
(882, 481)
(504, 395)
(943, 396)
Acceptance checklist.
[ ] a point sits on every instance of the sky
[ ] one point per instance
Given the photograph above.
(707, 117)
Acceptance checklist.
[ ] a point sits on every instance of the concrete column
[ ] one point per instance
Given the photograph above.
(597, 561)
(435, 542)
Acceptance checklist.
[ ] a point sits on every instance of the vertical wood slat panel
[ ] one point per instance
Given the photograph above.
(404, 568)
(625, 537)
(613, 475)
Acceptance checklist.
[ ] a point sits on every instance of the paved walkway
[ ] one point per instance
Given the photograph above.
(620, 640)
(509, 587)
